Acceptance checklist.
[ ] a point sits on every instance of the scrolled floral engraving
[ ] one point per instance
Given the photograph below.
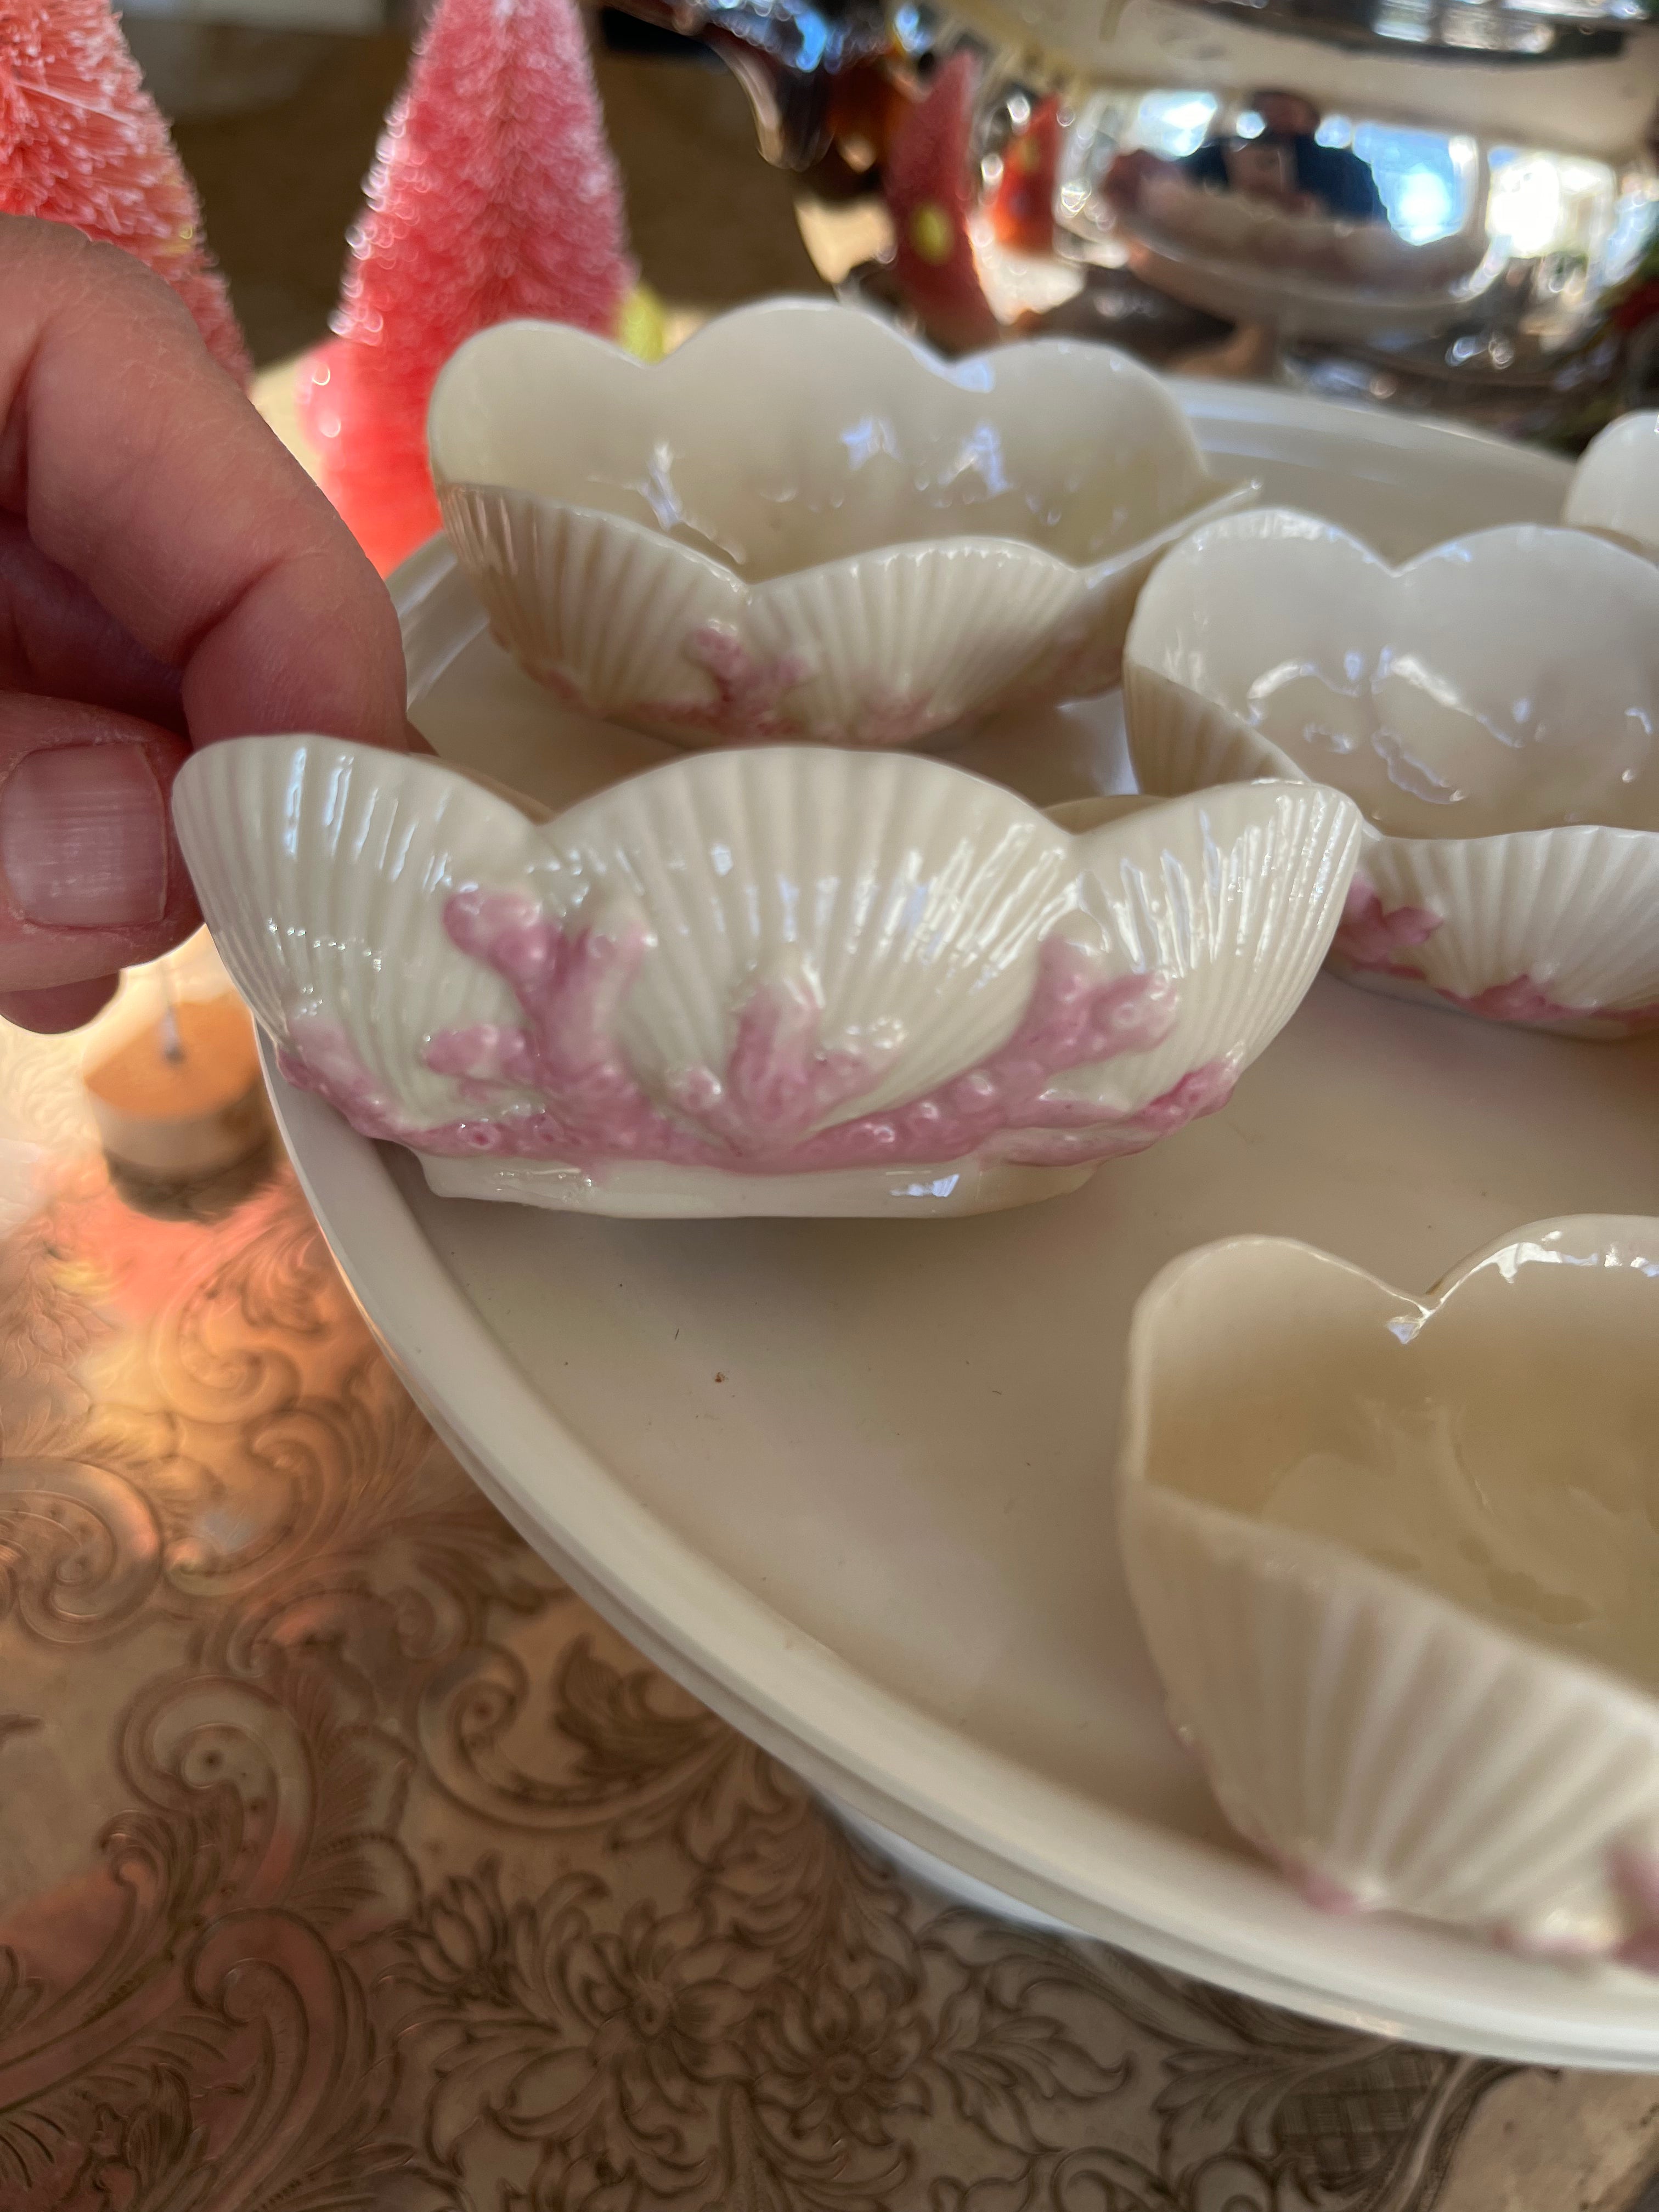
(373, 1874)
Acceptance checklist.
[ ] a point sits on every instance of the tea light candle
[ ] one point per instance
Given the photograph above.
(182, 1099)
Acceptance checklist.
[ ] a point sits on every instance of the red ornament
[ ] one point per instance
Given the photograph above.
(494, 195)
(82, 143)
(1022, 211)
(928, 184)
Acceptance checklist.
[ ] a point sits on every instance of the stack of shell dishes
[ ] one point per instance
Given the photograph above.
(803, 525)
(1494, 708)
(1395, 1559)
(779, 980)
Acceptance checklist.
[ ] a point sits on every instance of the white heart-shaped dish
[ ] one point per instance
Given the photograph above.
(1396, 1559)
(1615, 486)
(804, 526)
(780, 980)
(1492, 707)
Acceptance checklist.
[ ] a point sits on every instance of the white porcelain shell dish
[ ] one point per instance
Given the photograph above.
(1396, 1559)
(803, 525)
(1492, 707)
(1615, 486)
(775, 980)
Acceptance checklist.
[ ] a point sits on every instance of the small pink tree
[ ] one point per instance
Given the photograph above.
(81, 143)
(494, 195)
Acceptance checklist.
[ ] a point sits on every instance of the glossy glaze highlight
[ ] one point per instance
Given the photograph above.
(1494, 708)
(803, 525)
(787, 967)
(1398, 1562)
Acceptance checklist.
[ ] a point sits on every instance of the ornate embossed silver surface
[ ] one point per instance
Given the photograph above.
(347, 1860)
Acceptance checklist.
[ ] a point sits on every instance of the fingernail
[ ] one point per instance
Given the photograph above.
(83, 838)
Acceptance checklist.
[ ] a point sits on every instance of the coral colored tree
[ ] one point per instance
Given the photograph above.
(81, 143)
(494, 195)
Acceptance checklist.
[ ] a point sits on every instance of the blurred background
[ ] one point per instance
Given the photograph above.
(277, 106)
(1450, 205)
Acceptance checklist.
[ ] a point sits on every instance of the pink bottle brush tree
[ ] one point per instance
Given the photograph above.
(82, 143)
(494, 195)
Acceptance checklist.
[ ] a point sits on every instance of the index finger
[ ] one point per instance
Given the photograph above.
(140, 468)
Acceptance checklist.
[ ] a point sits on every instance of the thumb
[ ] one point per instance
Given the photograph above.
(91, 877)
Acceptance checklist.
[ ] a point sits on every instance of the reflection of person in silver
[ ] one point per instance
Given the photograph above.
(1286, 163)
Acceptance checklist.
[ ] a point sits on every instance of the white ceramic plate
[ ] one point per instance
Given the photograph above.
(850, 1481)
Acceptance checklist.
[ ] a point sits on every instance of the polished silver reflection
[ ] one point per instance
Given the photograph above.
(1263, 208)
(1566, 30)
(1446, 202)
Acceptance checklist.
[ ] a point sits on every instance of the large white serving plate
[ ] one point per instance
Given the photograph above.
(851, 1481)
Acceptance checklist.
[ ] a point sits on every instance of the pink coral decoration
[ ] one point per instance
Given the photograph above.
(580, 1101)
(747, 707)
(1524, 1001)
(1370, 938)
(748, 693)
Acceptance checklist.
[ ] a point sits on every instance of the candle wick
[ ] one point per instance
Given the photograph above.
(172, 1045)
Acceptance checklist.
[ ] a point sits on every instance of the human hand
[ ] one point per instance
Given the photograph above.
(169, 575)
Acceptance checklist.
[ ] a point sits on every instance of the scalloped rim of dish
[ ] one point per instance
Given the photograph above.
(635, 624)
(1615, 485)
(1233, 499)
(1419, 904)
(1315, 1564)
(1155, 701)
(1281, 526)
(1117, 366)
(1316, 1551)
(1036, 1150)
